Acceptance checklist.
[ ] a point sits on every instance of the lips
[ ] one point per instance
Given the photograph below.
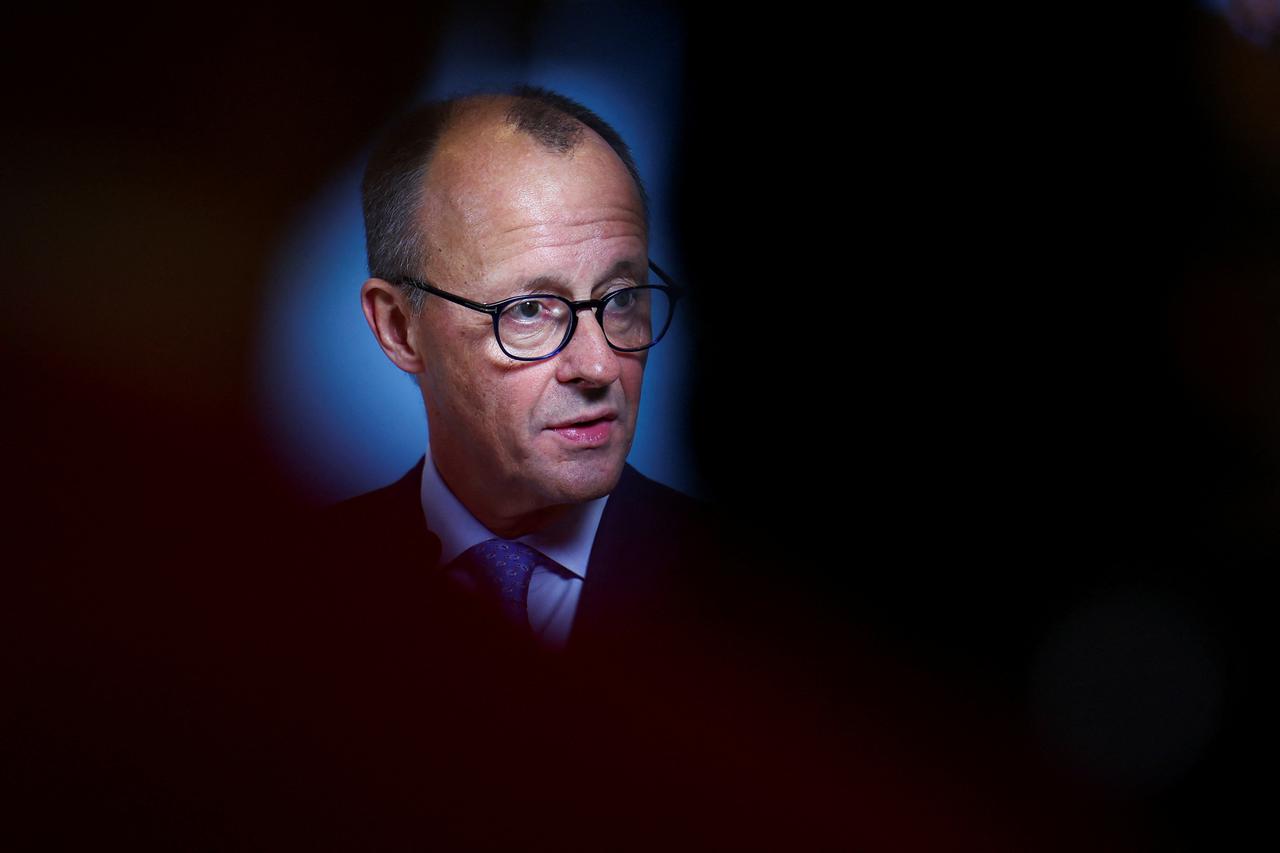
(586, 420)
(590, 430)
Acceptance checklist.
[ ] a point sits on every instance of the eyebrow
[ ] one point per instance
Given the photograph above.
(557, 284)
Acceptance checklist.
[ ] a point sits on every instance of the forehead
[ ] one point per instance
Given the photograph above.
(494, 195)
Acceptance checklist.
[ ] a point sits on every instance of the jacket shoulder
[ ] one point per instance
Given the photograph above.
(391, 515)
(400, 498)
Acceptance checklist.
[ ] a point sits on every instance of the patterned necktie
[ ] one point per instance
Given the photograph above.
(502, 570)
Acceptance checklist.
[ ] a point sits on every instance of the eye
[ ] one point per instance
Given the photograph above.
(534, 312)
(527, 310)
(620, 300)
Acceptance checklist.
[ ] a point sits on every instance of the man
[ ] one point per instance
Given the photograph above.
(508, 254)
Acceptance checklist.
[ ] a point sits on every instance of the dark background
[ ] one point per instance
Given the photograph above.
(986, 359)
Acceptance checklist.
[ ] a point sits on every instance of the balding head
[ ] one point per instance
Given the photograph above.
(477, 135)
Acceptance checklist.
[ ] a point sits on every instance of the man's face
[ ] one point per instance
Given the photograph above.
(505, 217)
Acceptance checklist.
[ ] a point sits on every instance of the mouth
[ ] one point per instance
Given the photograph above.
(590, 430)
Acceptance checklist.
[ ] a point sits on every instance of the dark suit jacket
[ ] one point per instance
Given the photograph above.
(328, 693)
(652, 559)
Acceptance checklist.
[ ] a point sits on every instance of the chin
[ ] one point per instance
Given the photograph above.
(578, 483)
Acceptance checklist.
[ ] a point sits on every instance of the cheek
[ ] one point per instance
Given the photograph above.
(633, 382)
(513, 404)
(476, 375)
(495, 398)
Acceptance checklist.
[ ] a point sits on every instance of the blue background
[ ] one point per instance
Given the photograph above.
(341, 418)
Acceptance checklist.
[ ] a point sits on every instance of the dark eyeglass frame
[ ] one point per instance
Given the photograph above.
(495, 309)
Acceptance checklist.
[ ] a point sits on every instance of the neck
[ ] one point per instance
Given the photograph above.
(506, 522)
(512, 527)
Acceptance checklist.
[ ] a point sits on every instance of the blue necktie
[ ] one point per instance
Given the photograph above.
(503, 570)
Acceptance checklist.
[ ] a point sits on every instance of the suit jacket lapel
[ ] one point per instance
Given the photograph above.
(627, 571)
(405, 501)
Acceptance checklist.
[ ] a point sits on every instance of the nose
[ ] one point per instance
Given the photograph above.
(588, 359)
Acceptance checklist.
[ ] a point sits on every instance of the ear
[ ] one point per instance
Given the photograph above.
(387, 312)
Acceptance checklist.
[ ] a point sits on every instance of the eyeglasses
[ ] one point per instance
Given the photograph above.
(537, 326)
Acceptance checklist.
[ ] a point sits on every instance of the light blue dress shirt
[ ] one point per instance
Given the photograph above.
(553, 593)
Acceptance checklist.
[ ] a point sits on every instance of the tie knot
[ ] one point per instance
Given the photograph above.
(503, 569)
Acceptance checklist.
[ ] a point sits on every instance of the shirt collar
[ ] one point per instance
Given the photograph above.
(567, 541)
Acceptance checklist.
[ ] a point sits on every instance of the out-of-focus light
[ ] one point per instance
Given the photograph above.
(1256, 20)
(1127, 693)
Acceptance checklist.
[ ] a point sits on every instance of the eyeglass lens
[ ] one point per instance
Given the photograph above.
(536, 327)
